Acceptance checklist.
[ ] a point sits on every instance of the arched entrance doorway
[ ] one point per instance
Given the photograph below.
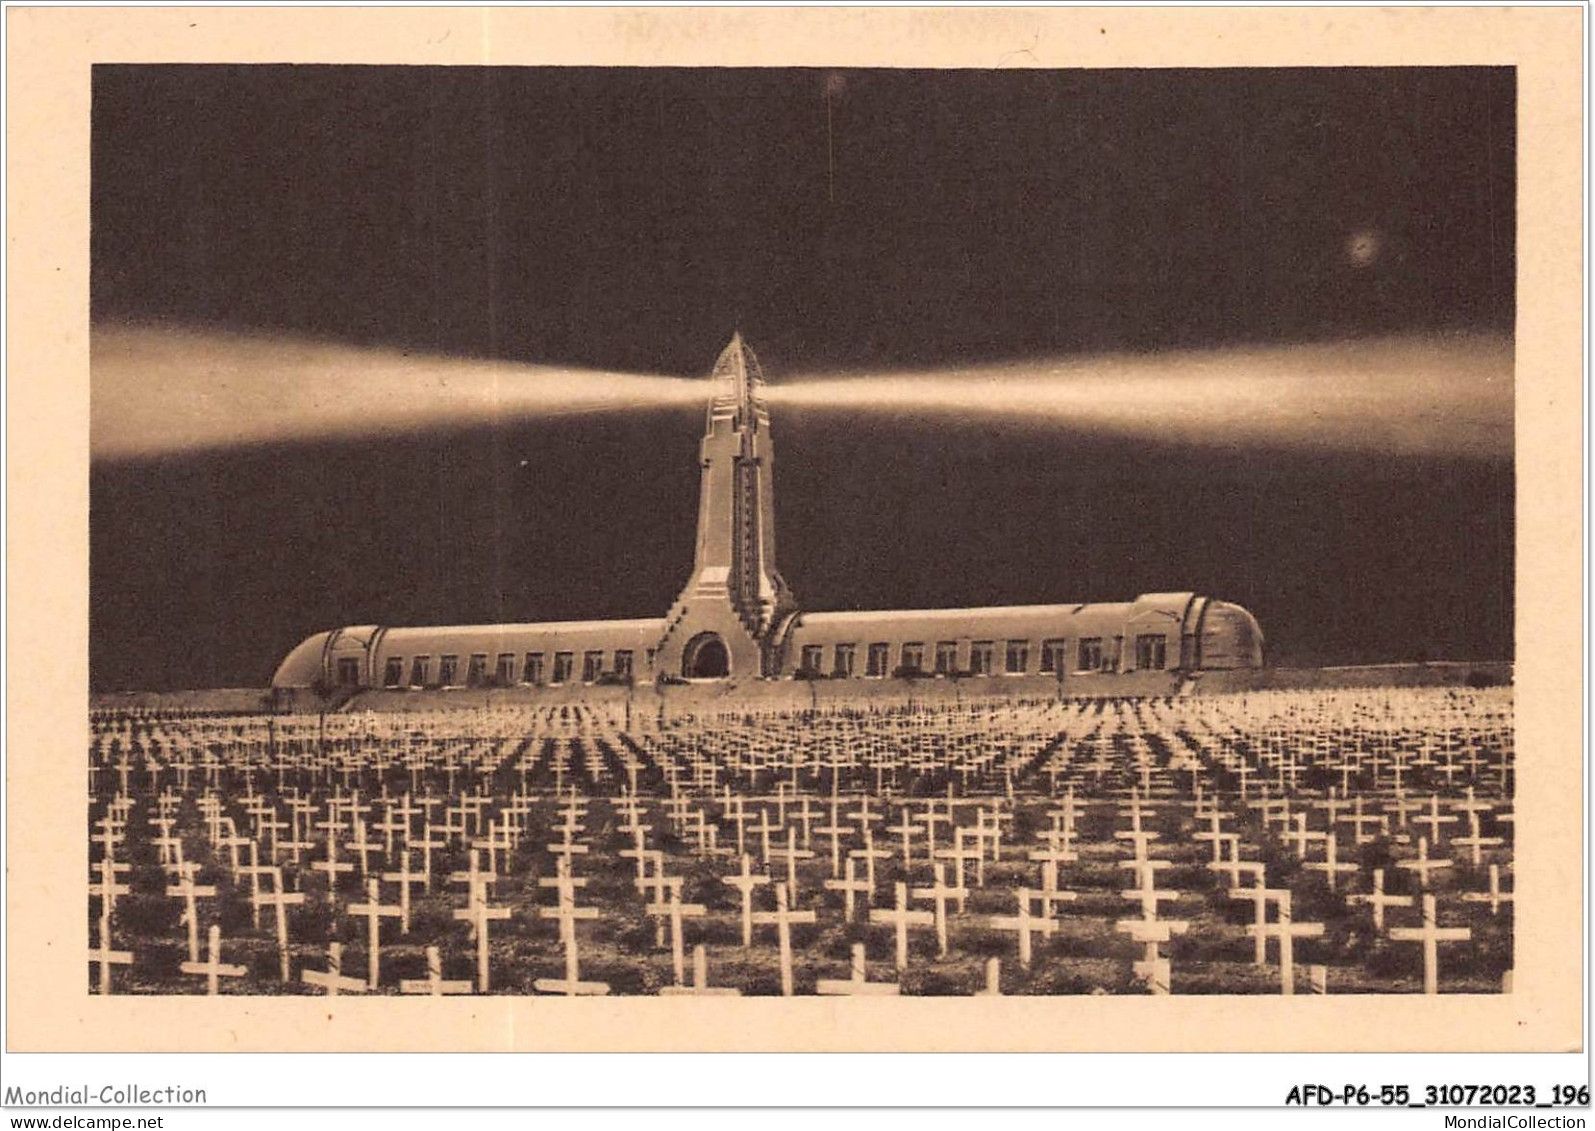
(705, 657)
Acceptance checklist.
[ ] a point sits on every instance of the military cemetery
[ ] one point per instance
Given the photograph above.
(1335, 841)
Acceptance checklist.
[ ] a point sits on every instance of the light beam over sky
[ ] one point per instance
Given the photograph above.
(158, 390)
(1413, 396)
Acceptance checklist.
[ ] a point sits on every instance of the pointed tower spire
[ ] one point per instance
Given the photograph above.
(739, 387)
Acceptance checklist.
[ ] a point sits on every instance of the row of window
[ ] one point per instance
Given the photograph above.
(1091, 654)
(531, 669)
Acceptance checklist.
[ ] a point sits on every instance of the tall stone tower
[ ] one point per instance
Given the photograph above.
(729, 617)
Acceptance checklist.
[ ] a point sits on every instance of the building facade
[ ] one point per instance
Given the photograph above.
(737, 620)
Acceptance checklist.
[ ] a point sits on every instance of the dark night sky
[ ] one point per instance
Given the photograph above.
(632, 218)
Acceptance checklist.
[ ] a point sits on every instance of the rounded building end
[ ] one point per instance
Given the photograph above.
(1231, 637)
(305, 665)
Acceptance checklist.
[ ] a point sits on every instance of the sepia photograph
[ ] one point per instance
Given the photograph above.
(1140, 620)
(1133, 612)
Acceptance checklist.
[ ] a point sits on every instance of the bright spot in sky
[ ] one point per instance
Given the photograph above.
(1363, 247)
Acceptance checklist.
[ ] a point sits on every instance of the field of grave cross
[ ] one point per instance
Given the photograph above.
(1295, 842)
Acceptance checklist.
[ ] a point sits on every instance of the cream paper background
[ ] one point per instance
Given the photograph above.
(50, 52)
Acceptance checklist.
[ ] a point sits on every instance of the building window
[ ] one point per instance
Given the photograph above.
(843, 668)
(946, 657)
(393, 671)
(418, 670)
(349, 670)
(813, 656)
(878, 660)
(476, 674)
(449, 670)
(505, 675)
(913, 657)
(980, 657)
(1151, 652)
(592, 666)
(532, 669)
(1018, 657)
(623, 664)
(562, 666)
(1090, 654)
